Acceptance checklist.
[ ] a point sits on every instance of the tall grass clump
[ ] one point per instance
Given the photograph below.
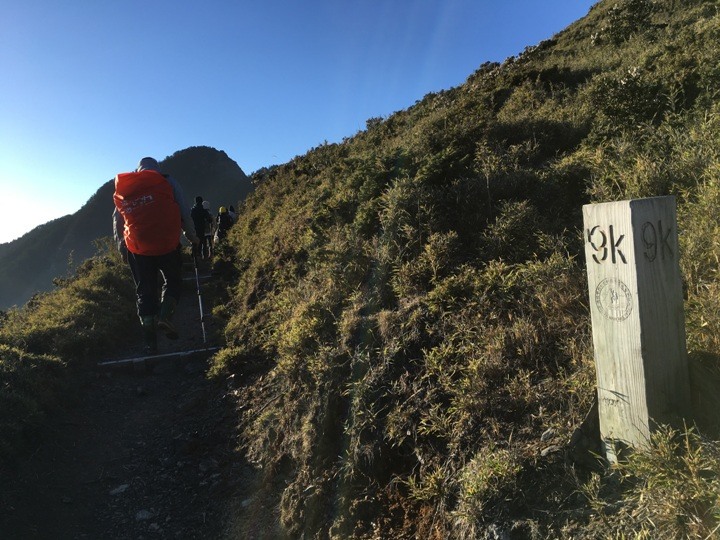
(671, 489)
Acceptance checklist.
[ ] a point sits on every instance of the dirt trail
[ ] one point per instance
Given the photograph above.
(138, 454)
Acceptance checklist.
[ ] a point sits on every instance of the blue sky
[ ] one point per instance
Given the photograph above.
(91, 86)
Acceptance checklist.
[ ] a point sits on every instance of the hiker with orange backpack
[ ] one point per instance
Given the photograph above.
(150, 213)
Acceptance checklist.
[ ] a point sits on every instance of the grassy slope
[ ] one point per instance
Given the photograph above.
(43, 343)
(412, 302)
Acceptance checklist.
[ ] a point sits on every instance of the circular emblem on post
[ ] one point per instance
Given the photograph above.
(613, 299)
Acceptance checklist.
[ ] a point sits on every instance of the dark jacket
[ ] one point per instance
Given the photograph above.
(202, 219)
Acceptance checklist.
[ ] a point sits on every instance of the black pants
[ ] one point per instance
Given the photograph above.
(206, 246)
(145, 269)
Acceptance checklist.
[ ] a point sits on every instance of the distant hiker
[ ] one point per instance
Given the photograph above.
(210, 229)
(224, 222)
(150, 212)
(202, 219)
(231, 211)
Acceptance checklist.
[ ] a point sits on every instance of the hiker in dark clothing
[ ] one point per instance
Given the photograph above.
(210, 230)
(150, 213)
(202, 219)
(224, 222)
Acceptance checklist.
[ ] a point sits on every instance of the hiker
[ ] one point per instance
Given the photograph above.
(150, 212)
(231, 211)
(224, 222)
(210, 229)
(202, 220)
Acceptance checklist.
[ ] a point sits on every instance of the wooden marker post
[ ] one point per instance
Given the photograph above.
(638, 321)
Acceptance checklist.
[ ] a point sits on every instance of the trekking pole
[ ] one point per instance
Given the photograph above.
(199, 295)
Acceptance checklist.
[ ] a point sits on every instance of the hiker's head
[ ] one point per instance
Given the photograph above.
(223, 210)
(198, 200)
(148, 164)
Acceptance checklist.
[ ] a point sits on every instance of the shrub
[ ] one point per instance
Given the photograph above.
(489, 473)
(627, 101)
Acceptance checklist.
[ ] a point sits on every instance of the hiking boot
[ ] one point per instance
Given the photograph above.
(168, 328)
(167, 308)
(149, 334)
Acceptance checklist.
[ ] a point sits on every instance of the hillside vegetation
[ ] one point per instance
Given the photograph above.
(411, 313)
(44, 344)
(409, 326)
